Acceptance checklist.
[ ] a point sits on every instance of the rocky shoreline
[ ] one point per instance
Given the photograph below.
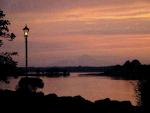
(77, 104)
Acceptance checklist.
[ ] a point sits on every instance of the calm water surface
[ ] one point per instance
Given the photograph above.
(90, 87)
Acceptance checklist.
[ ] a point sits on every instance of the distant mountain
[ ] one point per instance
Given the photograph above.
(84, 60)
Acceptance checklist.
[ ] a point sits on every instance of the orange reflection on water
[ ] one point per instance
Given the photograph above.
(93, 88)
(90, 87)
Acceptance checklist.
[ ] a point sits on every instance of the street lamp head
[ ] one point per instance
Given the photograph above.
(26, 31)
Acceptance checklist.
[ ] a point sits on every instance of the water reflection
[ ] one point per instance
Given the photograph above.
(90, 87)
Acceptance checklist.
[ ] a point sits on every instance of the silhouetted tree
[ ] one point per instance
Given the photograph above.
(4, 31)
(126, 63)
(29, 85)
(130, 70)
(7, 65)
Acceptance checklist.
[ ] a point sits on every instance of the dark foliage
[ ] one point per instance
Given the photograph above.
(130, 70)
(29, 85)
(7, 64)
(4, 30)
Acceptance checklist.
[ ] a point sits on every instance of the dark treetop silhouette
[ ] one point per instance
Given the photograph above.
(7, 64)
(4, 31)
(129, 70)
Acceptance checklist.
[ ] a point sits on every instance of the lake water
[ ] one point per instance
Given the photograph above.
(90, 87)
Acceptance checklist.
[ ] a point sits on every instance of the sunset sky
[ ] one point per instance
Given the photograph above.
(79, 32)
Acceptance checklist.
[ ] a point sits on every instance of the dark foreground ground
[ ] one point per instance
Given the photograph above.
(27, 99)
(16, 101)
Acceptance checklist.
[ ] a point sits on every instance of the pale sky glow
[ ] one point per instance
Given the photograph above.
(80, 32)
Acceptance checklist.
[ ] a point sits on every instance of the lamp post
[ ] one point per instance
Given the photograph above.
(26, 31)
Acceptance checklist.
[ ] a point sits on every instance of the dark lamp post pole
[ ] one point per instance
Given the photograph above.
(26, 31)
